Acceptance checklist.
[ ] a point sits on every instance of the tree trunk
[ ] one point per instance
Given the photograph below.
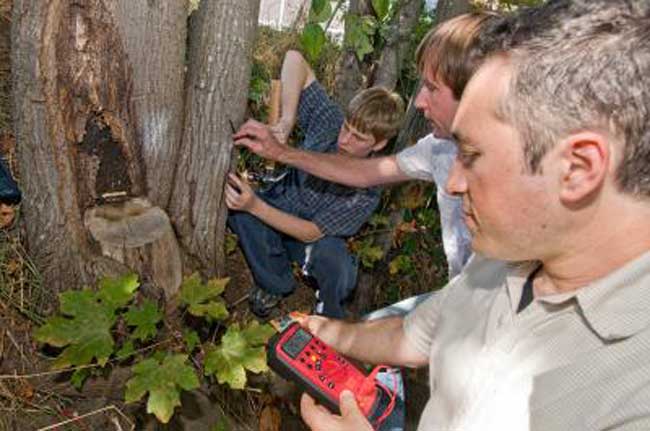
(392, 56)
(219, 64)
(448, 9)
(93, 81)
(103, 118)
(349, 77)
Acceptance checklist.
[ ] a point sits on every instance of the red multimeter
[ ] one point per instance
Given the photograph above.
(299, 356)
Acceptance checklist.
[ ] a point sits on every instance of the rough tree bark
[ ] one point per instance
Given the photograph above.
(392, 56)
(220, 46)
(349, 77)
(100, 110)
(447, 9)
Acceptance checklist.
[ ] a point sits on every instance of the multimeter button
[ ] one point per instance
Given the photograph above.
(309, 366)
(331, 385)
(321, 378)
(302, 359)
(314, 358)
(318, 367)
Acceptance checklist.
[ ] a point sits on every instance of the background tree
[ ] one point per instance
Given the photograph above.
(102, 114)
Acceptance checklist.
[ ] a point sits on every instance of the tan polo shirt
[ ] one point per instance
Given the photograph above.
(577, 361)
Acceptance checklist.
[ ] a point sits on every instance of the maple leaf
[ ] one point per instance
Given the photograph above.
(204, 299)
(164, 381)
(144, 319)
(84, 328)
(86, 332)
(118, 292)
(240, 350)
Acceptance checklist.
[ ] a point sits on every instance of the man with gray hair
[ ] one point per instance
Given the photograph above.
(553, 167)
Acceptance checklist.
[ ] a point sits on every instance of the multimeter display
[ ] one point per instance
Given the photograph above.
(299, 356)
(295, 344)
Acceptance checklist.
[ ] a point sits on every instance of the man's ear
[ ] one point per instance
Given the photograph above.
(379, 145)
(585, 160)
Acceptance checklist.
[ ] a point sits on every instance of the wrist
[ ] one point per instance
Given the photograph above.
(256, 207)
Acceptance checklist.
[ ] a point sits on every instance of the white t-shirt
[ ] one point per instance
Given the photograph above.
(430, 159)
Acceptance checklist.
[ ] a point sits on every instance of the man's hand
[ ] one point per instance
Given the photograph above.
(261, 139)
(318, 418)
(239, 194)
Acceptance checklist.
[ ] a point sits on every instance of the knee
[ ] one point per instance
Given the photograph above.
(331, 254)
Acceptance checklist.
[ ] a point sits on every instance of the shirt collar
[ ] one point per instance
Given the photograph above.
(616, 306)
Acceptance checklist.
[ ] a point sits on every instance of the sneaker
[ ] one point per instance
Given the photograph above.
(319, 307)
(262, 302)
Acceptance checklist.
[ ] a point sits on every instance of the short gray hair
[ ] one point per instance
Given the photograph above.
(581, 65)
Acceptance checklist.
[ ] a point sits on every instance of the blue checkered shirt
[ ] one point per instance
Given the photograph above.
(337, 210)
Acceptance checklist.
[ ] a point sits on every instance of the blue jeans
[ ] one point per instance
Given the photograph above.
(269, 254)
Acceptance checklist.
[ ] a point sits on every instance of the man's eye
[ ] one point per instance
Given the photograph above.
(467, 157)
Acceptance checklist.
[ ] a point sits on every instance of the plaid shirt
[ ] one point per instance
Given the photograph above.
(337, 210)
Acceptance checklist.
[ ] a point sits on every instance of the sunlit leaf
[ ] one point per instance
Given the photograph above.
(164, 383)
(381, 8)
(118, 292)
(84, 331)
(321, 11)
(240, 350)
(312, 41)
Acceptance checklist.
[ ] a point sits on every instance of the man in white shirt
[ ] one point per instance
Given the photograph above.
(446, 61)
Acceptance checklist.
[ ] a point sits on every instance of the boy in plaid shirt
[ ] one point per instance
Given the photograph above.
(302, 218)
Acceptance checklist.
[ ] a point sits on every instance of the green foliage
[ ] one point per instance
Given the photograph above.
(203, 300)
(359, 34)
(381, 8)
(240, 350)
(312, 41)
(164, 381)
(400, 264)
(144, 319)
(320, 11)
(230, 243)
(84, 329)
(191, 339)
(367, 252)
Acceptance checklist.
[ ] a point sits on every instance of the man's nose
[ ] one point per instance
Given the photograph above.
(420, 98)
(456, 182)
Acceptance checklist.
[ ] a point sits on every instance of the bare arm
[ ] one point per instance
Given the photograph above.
(381, 341)
(350, 171)
(240, 197)
(296, 75)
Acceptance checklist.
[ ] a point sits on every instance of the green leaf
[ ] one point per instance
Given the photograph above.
(79, 377)
(240, 350)
(400, 263)
(312, 41)
(222, 425)
(164, 382)
(126, 351)
(118, 292)
(321, 11)
(367, 252)
(358, 34)
(144, 319)
(191, 339)
(256, 334)
(84, 330)
(203, 299)
(230, 243)
(381, 8)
